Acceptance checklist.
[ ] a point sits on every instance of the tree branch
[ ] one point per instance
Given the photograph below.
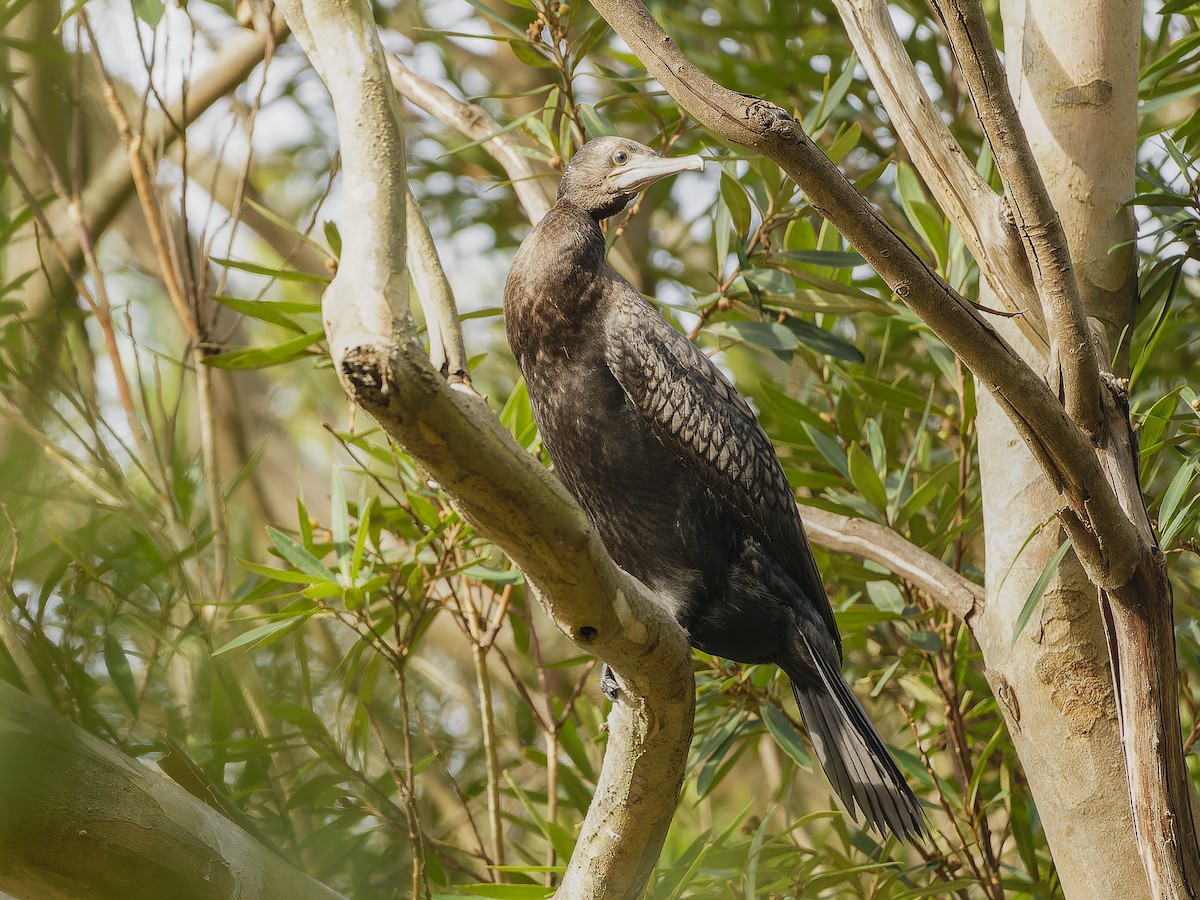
(500, 487)
(82, 819)
(878, 543)
(969, 201)
(1065, 453)
(532, 187)
(1074, 364)
(446, 350)
(112, 182)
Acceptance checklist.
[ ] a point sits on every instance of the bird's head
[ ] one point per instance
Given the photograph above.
(605, 174)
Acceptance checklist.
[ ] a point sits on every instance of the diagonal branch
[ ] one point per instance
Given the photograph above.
(532, 188)
(977, 211)
(1063, 450)
(72, 223)
(501, 488)
(1074, 363)
(878, 543)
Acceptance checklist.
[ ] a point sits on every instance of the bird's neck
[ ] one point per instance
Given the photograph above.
(562, 255)
(556, 282)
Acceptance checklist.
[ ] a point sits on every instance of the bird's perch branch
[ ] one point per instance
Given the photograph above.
(82, 819)
(506, 494)
(969, 201)
(1074, 362)
(1059, 445)
(878, 543)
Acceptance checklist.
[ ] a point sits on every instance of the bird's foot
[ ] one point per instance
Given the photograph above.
(609, 686)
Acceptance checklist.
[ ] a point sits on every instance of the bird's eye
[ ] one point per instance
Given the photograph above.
(620, 157)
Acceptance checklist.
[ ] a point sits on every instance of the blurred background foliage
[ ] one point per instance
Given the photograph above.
(210, 563)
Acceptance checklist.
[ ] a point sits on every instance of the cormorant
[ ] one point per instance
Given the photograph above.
(679, 479)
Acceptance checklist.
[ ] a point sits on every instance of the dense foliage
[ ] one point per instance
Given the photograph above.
(210, 564)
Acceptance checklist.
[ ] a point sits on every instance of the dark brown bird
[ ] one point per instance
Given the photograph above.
(680, 480)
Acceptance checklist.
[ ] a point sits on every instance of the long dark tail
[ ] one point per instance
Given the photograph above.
(858, 765)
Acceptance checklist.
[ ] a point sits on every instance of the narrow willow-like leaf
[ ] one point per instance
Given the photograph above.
(1039, 589)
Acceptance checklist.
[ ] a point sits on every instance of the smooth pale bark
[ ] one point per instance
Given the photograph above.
(1054, 685)
(1077, 100)
(80, 820)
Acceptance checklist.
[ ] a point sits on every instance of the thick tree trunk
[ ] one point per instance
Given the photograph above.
(1054, 684)
(1072, 67)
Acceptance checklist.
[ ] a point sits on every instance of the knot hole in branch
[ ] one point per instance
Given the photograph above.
(770, 118)
(368, 374)
(587, 633)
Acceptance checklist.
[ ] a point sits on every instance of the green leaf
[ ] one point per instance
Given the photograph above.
(1175, 490)
(272, 312)
(886, 596)
(594, 122)
(282, 274)
(824, 341)
(834, 259)
(717, 765)
(264, 357)
(502, 891)
(531, 54)
(300, 716)
(299, 557)
(735, 199)
(340, 522)
(846, 142)
(119, 671)
(771, 281)
(785, 735)
(149, 11)
(1039, 589)
(289, 576)
(360, 538)
(494, 576)
(865, 478)
(771, 335)
(487, 137)
(829, 448)
(929, 641)
(926, 219)
(262, 634)
(334, 238)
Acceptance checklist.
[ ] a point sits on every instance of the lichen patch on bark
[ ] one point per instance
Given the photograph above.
(1080, 685)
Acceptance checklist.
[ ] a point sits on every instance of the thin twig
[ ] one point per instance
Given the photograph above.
(111, 184)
